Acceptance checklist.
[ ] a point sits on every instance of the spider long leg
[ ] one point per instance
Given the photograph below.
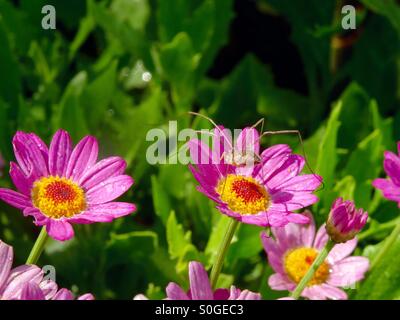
(297, 132)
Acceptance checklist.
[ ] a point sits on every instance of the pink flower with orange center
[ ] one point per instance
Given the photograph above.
(265, 193)
(294, 248)
(26, 282)
(61, 185)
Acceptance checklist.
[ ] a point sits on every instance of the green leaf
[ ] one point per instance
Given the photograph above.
(178, 62)
(9, 76)
(162, 205)
(70, 114)
(171, 16)
(98, 94)
(364, 165)
(133, 245)
(354, 117)
(135, 13)
(383, 283)
(388, 8)
(121, 30)
(258, 94)
(345, 187)
(180, 245)
(216, 237)
(327, 154)
(178, 239)
(247, 245)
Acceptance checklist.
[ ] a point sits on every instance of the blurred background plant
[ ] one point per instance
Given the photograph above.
(118, 68)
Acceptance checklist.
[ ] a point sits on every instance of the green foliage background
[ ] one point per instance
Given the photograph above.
(87, 77)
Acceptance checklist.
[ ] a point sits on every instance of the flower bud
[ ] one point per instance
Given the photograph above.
(345, 221)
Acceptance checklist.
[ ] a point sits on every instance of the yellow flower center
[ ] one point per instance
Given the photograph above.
(243, 195)
(58, 197)
(298, 261)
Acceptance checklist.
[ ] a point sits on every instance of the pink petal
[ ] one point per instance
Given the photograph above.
(276, 219)
(321, 238)
(101, 171)
(86, 296)
(248, 141)
(392, 167)
(269, 166)
(290, 168)
(288, 237)
(22, 182)
(31, 291)
(83, 157)
(200, 153)
(31, 154)
(109, 189)
(222, 142)
(314, 293)
(332, 292)
(297, 218)
(49, 288)
(342, 250)
(175, 292)
(41, 145)
(40, 219)
(389, 189)
(221, 294)
(106, 212)
(285, 201)
(256, 219)
(17, 279)
(207, 176)
(276, 151)
(280, 282)
(237, 294)
(15, 199)
(274, 253)
(59, 230)
(348, 271)
(249, 295)
(305, 182)
(63, 294)
(6, 259)
(200, 287)
(60, 151)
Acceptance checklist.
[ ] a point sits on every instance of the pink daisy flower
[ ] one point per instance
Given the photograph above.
(200, 288)
(265, 194)
(294, 249)
(32, 291)
(26, 282)
(61, 185)
(390, 186)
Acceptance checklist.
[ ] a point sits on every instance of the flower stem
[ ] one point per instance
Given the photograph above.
(38, 247)
(313, 268)
(386, 246)
(223, 248)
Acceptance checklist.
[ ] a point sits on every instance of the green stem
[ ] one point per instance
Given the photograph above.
(38, 247)
(226, 241)
(313, 268)
(386, 246)
(382, 227)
